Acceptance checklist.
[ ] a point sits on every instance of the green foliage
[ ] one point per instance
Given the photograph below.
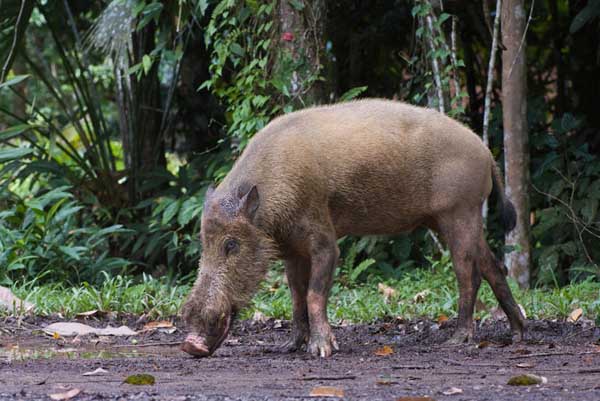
(240, 35)
(144, 295)
(49, 235)
(566, 180)
(586, 15)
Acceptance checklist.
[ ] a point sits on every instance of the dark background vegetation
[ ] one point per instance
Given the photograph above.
(116, 116)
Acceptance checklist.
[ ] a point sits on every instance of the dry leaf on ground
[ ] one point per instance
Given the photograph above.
(385, 350)
(453, 391)
(67, 395)
(9, 301)
(259, 317)
(575, 315)
(420, 296)
(89, 313)
(386, 380)
(164, 326)
(327, 391)
(525, 365)
(96, 372)
(442, 319)
(387, 291)
(68, 329)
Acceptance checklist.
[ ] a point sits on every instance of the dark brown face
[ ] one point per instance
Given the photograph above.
(235, 258)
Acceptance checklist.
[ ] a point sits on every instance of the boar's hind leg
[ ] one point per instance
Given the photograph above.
(494, 273)
(461, 232)
(324, 255)
(297, 271)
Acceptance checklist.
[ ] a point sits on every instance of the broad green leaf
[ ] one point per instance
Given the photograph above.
(147, 63)
(189, 209)
(588, 13)
(297, 4)
(14, 153)
(353, 93)
(14, 131)
(170, 212)
(237, 49)
(364, 265)
(13, 81)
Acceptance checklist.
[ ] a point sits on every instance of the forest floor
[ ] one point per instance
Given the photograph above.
(250, 366)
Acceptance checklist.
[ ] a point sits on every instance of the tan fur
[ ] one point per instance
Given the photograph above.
(364, 167)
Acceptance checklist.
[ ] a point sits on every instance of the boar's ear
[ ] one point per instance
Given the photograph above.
(249, 203)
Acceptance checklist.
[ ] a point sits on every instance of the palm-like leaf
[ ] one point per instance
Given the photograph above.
(14, 18)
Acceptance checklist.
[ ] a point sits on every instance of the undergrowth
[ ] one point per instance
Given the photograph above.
(418, 293)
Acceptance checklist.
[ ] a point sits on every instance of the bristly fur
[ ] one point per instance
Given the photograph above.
(369, 167)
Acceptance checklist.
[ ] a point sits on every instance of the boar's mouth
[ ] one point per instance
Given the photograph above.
(200, 346)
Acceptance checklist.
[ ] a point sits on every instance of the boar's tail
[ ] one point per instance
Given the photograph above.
(509, 214)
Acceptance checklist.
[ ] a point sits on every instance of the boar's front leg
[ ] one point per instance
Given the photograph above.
(324, 255)
(297, 270)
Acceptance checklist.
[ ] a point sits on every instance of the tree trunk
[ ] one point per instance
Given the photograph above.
(301, 36)
(516, 143)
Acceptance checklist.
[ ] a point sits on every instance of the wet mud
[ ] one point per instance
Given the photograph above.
(251, 366)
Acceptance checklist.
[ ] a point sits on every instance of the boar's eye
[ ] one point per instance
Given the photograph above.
(231, 246)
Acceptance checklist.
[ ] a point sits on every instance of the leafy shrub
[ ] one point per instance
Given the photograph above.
(49, 234)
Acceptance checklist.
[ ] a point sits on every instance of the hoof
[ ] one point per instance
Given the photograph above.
(322, 345)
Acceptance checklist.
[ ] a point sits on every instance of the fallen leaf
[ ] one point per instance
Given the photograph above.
(525, 365)
(420, 296)
(89, 313)
(9, 301)
(96, 372)
(522, 351)
(55, 335)
(66, 395)
(385, 350)
(575, 315)
(484, 344)
(387, 291)
(142, 379)
(527, 380)
(442, 319)
(68, 329)
(453, 391)
(163, 326)
(326, 391)
(259, 317)
(386, 380)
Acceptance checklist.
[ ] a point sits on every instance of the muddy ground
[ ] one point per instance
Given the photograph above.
(250, 366)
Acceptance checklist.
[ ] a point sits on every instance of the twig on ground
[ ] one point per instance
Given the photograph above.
(540, 354)
(328, 378)
(576, 333)
(471, 363)
(411, 367)
(172, 343)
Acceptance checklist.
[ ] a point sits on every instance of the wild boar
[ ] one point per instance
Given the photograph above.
(369, 167)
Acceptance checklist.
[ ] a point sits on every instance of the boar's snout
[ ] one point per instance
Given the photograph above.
(202, 343)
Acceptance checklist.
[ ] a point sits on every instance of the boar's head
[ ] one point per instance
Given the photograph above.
(236, 255)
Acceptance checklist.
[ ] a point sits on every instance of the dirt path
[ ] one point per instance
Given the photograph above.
(251, 367)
